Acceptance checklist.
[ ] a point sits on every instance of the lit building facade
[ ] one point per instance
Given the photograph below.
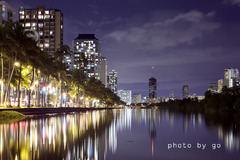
(137, 98)
(232, 77)
(185, 91)
(152, 88)
(87, 55)
(125, 96)
(112, 81)
(213, 87)
(68, 59)
(103, 71)
(171, 94)
(6, 12)
(48, 23)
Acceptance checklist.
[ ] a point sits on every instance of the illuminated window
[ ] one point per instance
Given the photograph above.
(40, 16)
(3, 8)
(21, 12)
(61, 26)
(46, 16)
(46, 45)
(51, 32)
(34, 24)
(21, 17)
(40, 24)
(47, 12)
(39, 12)
(27, 24)
(40, 33)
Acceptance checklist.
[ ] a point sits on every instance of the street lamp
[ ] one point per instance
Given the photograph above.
(17, 64)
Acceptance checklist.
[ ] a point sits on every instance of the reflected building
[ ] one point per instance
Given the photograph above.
(72, 136)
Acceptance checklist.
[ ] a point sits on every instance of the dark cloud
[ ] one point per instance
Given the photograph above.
(233, 2)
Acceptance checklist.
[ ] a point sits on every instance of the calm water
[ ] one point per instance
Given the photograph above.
(126, 134)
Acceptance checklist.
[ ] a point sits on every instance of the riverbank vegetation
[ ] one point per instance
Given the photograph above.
(228, 100)
(32, 77)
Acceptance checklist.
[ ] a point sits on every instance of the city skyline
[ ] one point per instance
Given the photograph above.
(186, 42)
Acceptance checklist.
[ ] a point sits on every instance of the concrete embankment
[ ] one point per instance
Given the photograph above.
(37, 111)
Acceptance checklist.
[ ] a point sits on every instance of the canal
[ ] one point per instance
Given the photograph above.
(123, 134)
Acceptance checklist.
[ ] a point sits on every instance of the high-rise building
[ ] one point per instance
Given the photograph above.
(185, 91)
(125, 96)
(68, 59)
(137, 98)
(152, 88)
(87, 55)
(103, 71)
(213, 87)
(112, 81)
(221, 84)
(171, 95)
(48, 23)
(6, 12)
(232, 77)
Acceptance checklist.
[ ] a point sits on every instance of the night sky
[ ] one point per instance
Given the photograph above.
(187, 41)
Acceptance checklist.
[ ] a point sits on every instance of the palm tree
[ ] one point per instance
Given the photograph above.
(79, 80)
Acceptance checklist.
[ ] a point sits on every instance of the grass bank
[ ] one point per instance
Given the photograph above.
(11, 116)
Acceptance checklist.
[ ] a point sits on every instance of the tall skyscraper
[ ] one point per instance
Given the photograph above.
(152, 88)
(6, 12)
(48, 23)
(87, 55)
(112, 81)
(232, 77)
(103, 71)
(185, 91)
(125, 96)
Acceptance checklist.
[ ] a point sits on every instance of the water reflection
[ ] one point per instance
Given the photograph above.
(68, 136)
(106, 134)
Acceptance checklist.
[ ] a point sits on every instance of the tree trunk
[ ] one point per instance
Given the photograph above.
(60, 93)
(19, 81)
(29, 94)
(9, 80)
(2, 82)
(48, 92)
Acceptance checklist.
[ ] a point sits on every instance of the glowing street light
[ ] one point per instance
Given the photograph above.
(44, 89)
(36, 82)
(64, 96)
(17, 64)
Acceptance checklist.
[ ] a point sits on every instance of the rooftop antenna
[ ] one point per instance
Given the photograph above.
(152, 71)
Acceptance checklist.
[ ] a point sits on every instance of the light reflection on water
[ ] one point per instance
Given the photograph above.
(117, 134)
